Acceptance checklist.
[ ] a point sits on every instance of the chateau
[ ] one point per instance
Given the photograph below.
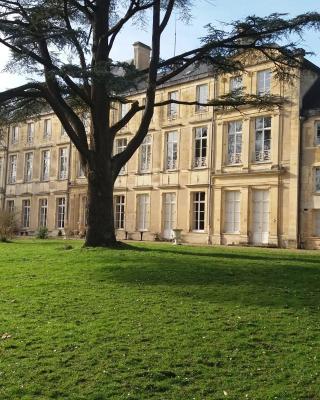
(223, 177)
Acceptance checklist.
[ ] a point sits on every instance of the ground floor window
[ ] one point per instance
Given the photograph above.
(316, 216)
(119, 211)
(143, 212)
(10, 206)
(232, 212)
(199, 201)
(61, 212)
(43, 212)
(26, 214)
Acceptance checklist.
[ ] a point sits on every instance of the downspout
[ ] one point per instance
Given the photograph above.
(5, 178)
(299, 216)
(68, 187)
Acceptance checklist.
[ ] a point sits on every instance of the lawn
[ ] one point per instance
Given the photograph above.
(157, 321)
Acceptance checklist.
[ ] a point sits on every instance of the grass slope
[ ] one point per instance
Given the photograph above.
(158, 322)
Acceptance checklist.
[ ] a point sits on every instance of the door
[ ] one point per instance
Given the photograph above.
(260, 217)
(169, 214)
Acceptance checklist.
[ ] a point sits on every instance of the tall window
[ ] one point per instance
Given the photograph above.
(61, 212)
(81, 170)
(145, 154)
(47, 128)
(234, 142)
(172, 150)
(317, 179)
(199, 202)
(12, 173)
(25, 213)
(200, 147)
(264, 82)
(30, 132)
(63, 163)
(124, 108)
(45, 165)
(119, 205)
(121, 144)
(28, 166)
(14, 134)
(232, 212)
(43, 212)
(1, 170)
(201, 97)
(173, 107)
(263, 139)
(317, 133)
(85, 210)
(317, 222)
(10, 206)
(143, 212)
(63, 131)
(236, 84)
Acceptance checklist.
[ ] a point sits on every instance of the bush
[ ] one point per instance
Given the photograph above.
(42, 232)
(8, 225)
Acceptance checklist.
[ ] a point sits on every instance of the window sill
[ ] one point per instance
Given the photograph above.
(231, 233)
(234, 165)
(143, 173)
(193, 231)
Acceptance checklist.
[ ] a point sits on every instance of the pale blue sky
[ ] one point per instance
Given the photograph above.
(204, 11)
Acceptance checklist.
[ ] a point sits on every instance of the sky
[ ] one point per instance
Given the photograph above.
(188, 35)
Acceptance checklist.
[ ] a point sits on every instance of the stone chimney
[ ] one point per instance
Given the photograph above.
(141, 55)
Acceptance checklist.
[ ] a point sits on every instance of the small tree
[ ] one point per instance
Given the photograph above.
(8, 225)
(67, 45)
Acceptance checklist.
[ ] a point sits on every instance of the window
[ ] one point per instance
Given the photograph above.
(12, 173)
(173, 107)
(63, 131)
(14, 134)
(86, 121)
(121, 144)
(124, 108)
(25, 213)
(1, 170)
(145, 154)
(232, 212)
(85, 210)
(28, 165)
(10, 206)
(47, 128)
(81, 170)
(200, 147)
(202, 97)
(199, 201)
(317, 133)
(317, 179)
(317, 222)
(43, 212)
(263, 82)
(143, 212)
(236, 84)
(263, 139)
(119, 205)
(63, 163)
(30, 132)
(61, 211)
(234, 142)
(171, 150)
(45, 165)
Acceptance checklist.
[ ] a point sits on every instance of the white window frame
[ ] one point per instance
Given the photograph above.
(200, 147)
(234, 145)
(47, 128)
(232, 211)
(15, 134)
(28, 166)
(123, 110)
(120, 146)
(264, 78)
(45, 165)
(263, 154)
(30, 132)
(61, 212)
(10, 206)
(198, 211)
(63, 163)
(12, 172)
(43, 212)
(143, 212)
(202, 95)
(317, 179)
(236, 84)
(119, 211)
(173, 108)
(316, 218)
(145, 155)
(26, 209)
(171, 153)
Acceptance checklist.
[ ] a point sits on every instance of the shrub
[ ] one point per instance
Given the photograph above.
(42, 232)
(8, 225)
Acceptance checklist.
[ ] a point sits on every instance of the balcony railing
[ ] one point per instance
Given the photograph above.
(199, 162)
(234, 158)
(171, 164)
(263, 155)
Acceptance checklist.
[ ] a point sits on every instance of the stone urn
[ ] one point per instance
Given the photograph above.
(176, 236)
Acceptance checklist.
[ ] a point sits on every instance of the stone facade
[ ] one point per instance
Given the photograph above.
(222, 177)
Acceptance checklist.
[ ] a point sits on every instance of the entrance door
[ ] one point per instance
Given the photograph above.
(260, 217)
(169, 214)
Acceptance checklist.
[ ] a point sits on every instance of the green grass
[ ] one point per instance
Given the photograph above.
(158, 322)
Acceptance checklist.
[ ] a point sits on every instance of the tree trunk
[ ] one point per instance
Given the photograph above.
(100, 231)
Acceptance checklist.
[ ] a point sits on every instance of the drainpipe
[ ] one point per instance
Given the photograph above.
(5, 163)
(68, 186)
(299, 216)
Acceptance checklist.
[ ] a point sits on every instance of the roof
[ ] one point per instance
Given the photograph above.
(311, 100)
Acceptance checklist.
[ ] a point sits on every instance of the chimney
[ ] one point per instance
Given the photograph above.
(141, 55)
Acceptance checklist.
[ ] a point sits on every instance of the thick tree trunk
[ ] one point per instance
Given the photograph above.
(100, 230)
